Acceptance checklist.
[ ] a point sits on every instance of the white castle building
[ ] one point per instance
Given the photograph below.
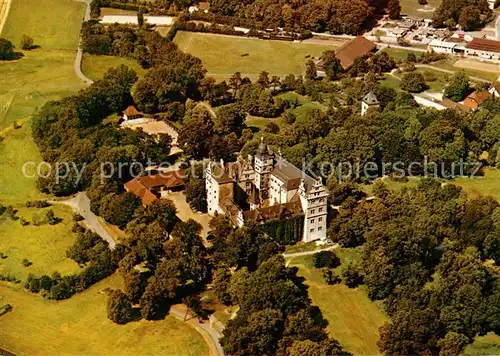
(266, 187)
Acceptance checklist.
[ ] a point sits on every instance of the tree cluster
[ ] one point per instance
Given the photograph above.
(469, 14)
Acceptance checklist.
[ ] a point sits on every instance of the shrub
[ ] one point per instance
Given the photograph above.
(24, 222)
(37, 204)
(119, 307)
(352, 276)
(326, 259)
(11, 213)
(45, 217)
(26, 42)
(77, 217)
(27, 263)
(429, 76)
(413, 82)
(330, 277)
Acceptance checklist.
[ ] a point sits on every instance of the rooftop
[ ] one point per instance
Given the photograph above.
(370, 98)
(484, 45)
(350, 51)
(141, 186)
(132, 111)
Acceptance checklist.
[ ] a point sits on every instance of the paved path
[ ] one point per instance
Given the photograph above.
(4, 13)
(210, 335)
(79, 53)
(447, 71)
(305, 253)
(81, 204)
(209, 108)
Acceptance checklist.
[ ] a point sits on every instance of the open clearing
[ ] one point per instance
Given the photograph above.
(45, 73)
(94, 66)
(413, 8)
(45, 246)
(79, 326)
(224, 55)
(475, 65)
(353, 319)
(484, 345)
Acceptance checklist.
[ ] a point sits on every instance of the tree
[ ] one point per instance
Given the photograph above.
(331, 64)
(394, 9)
(196, 133)
(26, 42)
(221, 285)
(352, 276)
(326, 259)
(470, 18)
(140, 17)
(118, 209)
(263, 80)
(6, 49)
(458, 87)
(310, 70)
(413, 82)
(452, 344)
(119, 307)
(134, 284)
(235, 82)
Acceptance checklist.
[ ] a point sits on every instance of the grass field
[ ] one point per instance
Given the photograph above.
(95, 67)
(79, 326)
(353, 319)
(399, 54)
(484, 345)
(45, 246)
(45, 73)
(413, 8)
(222, 55)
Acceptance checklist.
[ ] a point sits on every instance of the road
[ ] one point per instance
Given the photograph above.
(79, 53)
(81, 204)
(4, 12)
(210, 335)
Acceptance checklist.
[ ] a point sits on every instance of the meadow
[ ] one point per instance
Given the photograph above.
(37, 325)
(45, 246)
(79, 325)
(353, 319)
(94, 66)
(224, 55)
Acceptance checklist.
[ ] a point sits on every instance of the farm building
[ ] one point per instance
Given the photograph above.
(476, 99)
(483, 48)
(355, 48)
(152, 187)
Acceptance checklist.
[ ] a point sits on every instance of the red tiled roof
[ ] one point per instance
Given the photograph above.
(476, 98)
(141, 186)
(132, 111)
(483, 44)
(274, 212)
(349, 51)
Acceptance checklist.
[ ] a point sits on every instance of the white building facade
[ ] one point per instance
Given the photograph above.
(269, 184)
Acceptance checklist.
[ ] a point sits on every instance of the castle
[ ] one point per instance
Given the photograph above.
(266, 187)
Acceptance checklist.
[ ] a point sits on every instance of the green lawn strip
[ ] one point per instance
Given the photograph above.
(45, 246)
(79, 326)
(224, 55)
(94, 66)
(448, 64)
(353, 319)
(17, 149)
(489, 184)
(484, 345)
(399, 54)
(412, 7)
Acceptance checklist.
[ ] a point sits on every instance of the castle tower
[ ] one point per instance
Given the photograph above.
(263, 164)
(212, 188)
(369, 101)
(315, 206)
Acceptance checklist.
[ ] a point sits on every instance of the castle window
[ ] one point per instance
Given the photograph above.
(320, 219)
(312, 211)
(312, 230)
(320, 228)
(320, 210)
(312, 221)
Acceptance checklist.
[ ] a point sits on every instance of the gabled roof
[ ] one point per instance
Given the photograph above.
(274, 212)
(290, 175)
(482, 44)
(141, 186)
(371, 98)
(204, 5)
(349, 51)
(479, 96)
(132, 111)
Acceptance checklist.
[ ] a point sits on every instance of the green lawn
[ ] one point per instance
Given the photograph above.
(484, 345)
(16, 149)
(448, 64)
(222, 55)
(353, 319)
(79, 326)
(45, 246)
(399, 54)
(94, 66)
(391, 82)
(413, 8)
(487, 185)
(45, 73)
